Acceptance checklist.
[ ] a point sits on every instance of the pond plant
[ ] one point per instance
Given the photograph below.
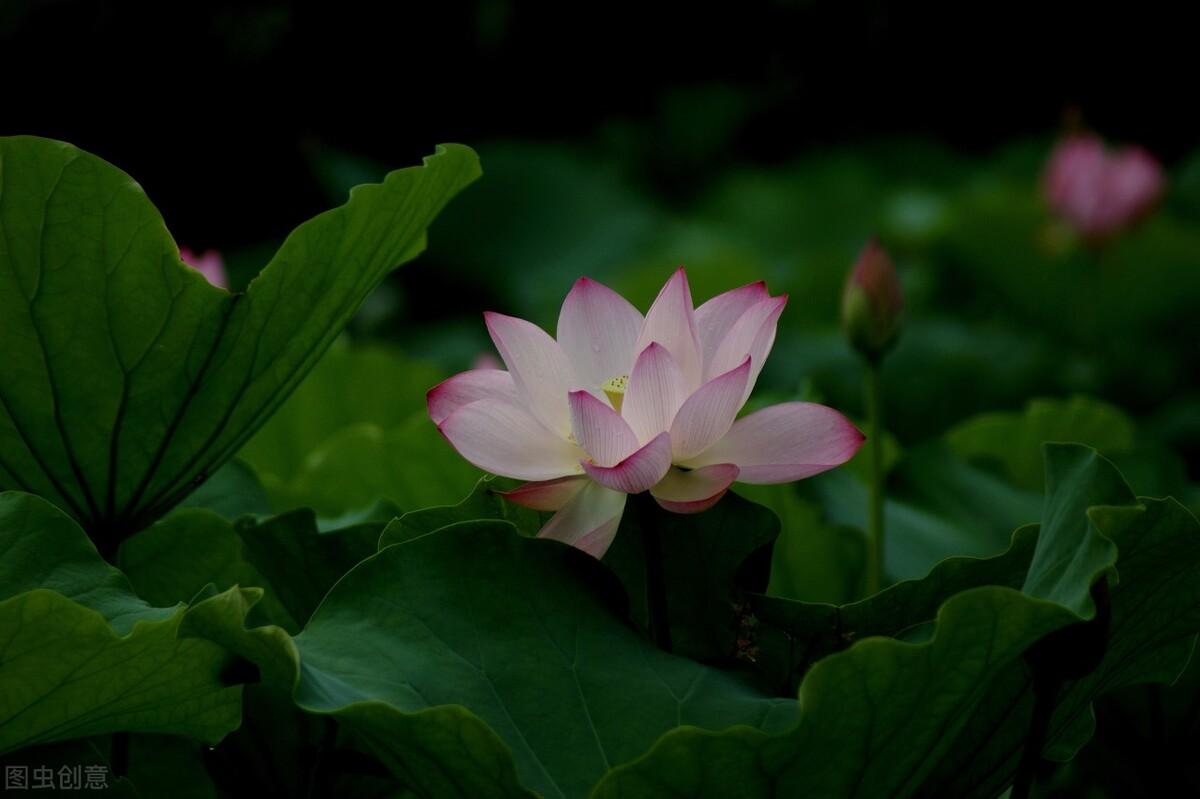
(244, 554)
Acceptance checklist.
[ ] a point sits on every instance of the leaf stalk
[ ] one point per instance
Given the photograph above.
(875, 521)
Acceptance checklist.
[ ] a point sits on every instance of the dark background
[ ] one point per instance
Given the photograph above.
(214, 106)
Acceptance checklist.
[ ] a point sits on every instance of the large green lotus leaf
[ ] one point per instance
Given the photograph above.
(708, 558)
(302, 562)
(177, 558)
(81, 655)
(938, 506)
(973, 500)
(792, 635)
(944, 712)
(127, 377)
(427, 647)
(1070, 546)
(1013, 441)
(161, 765)
(91, 754)
(167, 563)
(234, 490)
(342, 390)
(1152, 636)
(484, 502)
(286, 555)
(1145, 743)
(410, 465)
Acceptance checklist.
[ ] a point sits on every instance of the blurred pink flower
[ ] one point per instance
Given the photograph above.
(1100, 191)
(208, 264)
(619, 404)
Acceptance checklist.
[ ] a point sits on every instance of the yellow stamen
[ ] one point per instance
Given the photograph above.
(614, 389)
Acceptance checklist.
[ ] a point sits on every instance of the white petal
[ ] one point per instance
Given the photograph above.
(603, 434)
(656, 390)
(589, 521)
(538, 366)
(466, 387)
(785, 442)
(752, 334)
(707, 414)
(696, 490)
(502, 438)
(638, 472)
(715, 318)
(597, 329)
(671, 321)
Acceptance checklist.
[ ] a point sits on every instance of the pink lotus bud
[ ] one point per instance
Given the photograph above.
(872, 302)
(209, 264)
(1097, 190)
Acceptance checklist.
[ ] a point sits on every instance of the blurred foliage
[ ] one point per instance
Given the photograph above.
(1003, 304)
(347, 438)
(1013, 441)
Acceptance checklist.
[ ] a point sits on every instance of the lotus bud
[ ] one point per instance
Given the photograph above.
(872, 302)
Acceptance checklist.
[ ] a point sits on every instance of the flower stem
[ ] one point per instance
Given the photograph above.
(875, 531)
(320, 779)
(656, 587)
(1045, 691)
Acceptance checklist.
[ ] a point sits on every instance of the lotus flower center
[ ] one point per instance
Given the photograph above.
(614, 389)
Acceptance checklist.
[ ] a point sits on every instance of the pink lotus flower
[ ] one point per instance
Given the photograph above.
(209, 264)
(620, 404)
(1100, 192)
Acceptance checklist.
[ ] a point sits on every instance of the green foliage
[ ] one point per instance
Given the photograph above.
(128, 378)
(396, 628)
(482, 503)
(95, 753)
(81, 654)
(410, 465)
(945, 715)
(582, 693)
(1013, 441)
(356, 432)
(235, 490)
(707, 560)
(179, 557)
(938, 507)
(343, 389)
(813, 561)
